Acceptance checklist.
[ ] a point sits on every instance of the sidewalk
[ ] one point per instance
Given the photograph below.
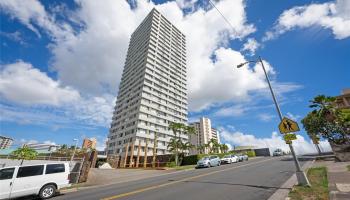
(338, 179)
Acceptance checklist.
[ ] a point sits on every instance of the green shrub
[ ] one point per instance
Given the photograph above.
(190, 160)
(171, 164)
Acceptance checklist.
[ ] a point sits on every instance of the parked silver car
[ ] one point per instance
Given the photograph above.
(209, 161)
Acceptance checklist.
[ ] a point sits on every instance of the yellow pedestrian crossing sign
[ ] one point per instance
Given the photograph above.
(288, 126)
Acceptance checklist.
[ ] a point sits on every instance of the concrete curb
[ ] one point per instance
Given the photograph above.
(288, 185)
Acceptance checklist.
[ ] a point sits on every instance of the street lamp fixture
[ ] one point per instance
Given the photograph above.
(302, 179)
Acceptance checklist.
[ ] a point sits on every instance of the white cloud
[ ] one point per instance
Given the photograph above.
(301, 145)
(20, 82)
(85, 113)
(32, 14)
(265, 117)
(331, 15)
(40, 99)
(293, 117)
(101, 143)
(235, 111)
(251, 45)
(186, 4)
(90, 58)
(14, 36)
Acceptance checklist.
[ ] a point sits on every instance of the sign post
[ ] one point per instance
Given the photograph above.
(287, 125)
(301, 177)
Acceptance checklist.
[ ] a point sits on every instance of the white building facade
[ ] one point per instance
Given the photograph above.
(204, 133)
(152, 91)
(5, 142)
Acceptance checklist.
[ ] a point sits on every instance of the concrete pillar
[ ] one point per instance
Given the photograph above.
(126, 155)
(145, 157)
(131, 162)
(138, 154)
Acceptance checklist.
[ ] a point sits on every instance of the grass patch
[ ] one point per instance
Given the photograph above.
(184, 167)
(319, 186)
(348, 167)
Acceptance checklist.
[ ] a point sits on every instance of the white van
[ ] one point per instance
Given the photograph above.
(40, 179)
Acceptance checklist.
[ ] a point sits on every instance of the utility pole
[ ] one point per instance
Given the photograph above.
(302, 179)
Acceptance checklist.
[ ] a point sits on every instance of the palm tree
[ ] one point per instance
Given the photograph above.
(214, 145)
(186, 146)
(176, 128)
(176, 143)
(217, 147)
(173, 147)
(312, 124)
(324, 106)
(201, 148)
(190, 130)
(223, 148)
(208, 147)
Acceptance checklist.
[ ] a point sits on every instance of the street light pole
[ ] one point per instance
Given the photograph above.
(301, 177)
(75, 148)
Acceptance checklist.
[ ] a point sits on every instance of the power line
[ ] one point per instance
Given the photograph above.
(226, 20)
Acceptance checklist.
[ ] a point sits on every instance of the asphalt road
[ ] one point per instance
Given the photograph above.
(254, 179)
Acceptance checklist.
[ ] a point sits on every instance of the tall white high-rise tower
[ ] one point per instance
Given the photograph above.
(152, 92)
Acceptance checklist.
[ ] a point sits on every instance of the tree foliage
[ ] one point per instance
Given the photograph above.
(24, 153)
(176, 144)
(328, 121)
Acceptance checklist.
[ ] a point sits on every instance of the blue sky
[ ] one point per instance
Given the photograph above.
(61, 63)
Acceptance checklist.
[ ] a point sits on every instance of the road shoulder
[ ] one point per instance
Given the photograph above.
(286, 187)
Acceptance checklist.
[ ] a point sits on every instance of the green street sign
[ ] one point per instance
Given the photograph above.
(289, 137)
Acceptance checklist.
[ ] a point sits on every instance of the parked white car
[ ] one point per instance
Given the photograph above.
(234, 158)
(43, 180)
(227, 159)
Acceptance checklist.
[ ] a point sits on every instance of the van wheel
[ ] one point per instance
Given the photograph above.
(47, 191)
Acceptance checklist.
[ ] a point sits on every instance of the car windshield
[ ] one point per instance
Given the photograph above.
(205, 158)
(227, 156)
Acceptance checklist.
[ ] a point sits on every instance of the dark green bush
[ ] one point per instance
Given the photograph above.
(171, 164)
(190, 160)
